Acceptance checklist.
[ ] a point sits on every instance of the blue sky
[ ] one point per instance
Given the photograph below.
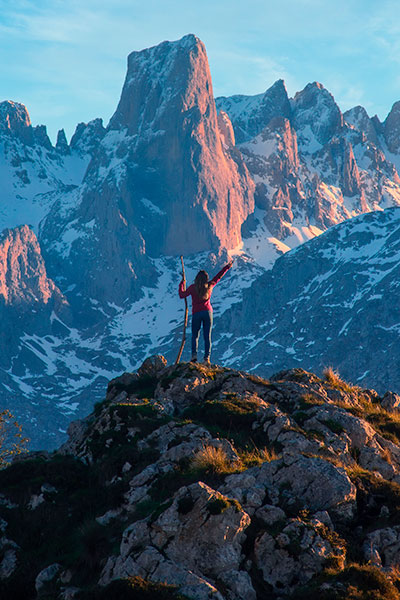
(66, 59)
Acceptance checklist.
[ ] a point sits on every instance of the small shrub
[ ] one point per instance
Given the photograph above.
(212, 459)
(230, 417)
(152, 508)
(354, 582)
(217, 506)
(132, 588)
(309, 400)
(255, 457)
(386, 423)
(332, 377)
(12, 442)
(300, 416)
(185, 505)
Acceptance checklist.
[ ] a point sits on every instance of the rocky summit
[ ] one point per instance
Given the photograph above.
(201, 482)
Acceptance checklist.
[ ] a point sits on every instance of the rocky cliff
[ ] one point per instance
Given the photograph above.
(32, 308)
(33, 172)
(346, 163)
(162, 182)
(203, 482)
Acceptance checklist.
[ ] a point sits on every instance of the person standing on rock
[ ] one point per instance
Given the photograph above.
(202, 312)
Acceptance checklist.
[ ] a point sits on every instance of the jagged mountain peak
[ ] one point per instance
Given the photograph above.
(311, 94)
(13, 114)
(169, 73)
(360, 120)
(87, 136)
(15, 121)
(316, 115)
(391, 128)
(250, 114)
(162, 180)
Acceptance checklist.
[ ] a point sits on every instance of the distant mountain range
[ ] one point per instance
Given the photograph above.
(89, 259)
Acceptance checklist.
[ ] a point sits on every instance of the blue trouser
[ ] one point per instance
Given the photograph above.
(204, 317)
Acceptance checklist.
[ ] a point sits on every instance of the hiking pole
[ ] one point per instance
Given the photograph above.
(186, 318)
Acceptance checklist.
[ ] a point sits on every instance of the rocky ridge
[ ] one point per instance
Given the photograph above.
(196, 481)
(313, 164)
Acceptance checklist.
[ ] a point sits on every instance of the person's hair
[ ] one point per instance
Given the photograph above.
(202, 286)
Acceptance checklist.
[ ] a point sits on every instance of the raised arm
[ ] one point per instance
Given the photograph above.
(222, 272)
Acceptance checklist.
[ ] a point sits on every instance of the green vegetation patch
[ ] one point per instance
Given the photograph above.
(309, 400)
(386, 424)
(183, 474)
(217, 506)
(62, 528)
(355, 582)
(230, 417)
(132, 588)
(142, 387)
(372, 493)
(124, 417)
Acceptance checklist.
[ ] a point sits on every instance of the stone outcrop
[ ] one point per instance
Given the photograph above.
(264, 512)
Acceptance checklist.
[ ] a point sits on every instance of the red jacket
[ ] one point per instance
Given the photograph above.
(198, 303)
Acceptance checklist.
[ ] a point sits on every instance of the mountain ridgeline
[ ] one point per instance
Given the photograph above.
(93, 230)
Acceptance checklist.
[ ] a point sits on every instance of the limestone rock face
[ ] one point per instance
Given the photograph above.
(251, 114)
(28, 297)
(87, 137)
(163, 180)
(23, 277)
(359, 118)
(314, 108)
(14, 120)
(279, 189)
(293, 556)
(226, 129)
(382, 547)
(167, 102)
(391, 129)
